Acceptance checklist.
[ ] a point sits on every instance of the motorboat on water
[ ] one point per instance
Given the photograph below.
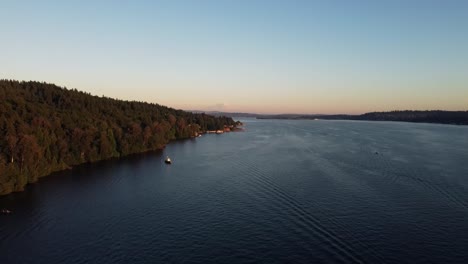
(168, 160)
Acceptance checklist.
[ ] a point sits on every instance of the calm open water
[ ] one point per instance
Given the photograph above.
(280, 192)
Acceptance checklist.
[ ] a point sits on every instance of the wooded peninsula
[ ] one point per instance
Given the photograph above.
(46, 128)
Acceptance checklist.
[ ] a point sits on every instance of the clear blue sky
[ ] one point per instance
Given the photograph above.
(254, 56)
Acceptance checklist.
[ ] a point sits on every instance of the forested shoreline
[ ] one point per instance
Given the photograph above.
(46, 128)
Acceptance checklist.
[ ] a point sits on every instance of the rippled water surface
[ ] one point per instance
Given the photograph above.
(280, 192)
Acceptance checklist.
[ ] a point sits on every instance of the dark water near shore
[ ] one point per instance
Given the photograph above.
(280, 192)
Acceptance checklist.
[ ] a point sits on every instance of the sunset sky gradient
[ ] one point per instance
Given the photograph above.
(248, 56)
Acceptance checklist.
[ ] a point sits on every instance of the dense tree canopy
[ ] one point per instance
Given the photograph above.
(45, 128)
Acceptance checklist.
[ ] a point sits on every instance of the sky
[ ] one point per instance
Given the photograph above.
(291, 56)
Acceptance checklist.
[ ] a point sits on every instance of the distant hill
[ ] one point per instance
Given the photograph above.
(435, 116)
(45, 128)
(234, 114)
(429, 116)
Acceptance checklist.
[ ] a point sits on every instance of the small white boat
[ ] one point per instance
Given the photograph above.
(167, 160)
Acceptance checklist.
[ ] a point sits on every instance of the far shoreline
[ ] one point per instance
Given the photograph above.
(361, 120)
(412, 116)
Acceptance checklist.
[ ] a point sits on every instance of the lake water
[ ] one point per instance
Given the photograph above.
(280, 192)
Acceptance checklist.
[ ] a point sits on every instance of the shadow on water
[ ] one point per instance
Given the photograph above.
(79, 177)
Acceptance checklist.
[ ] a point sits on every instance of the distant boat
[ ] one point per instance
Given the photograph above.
(168, 160)
(6, 211)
